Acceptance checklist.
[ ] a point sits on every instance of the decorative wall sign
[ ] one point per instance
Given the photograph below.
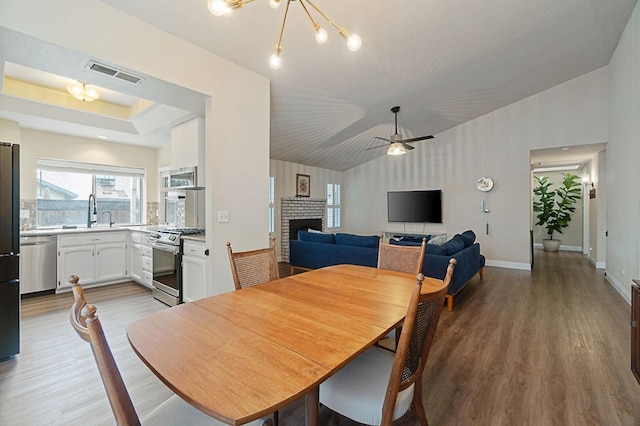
(303, 185)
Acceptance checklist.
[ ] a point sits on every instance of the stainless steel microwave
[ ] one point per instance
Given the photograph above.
(185, 178)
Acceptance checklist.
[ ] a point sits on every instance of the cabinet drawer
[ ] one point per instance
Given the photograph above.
(92, 238)
(193, 248)
(147, 263)
(136, 237)
(147, 278)
(147, 251)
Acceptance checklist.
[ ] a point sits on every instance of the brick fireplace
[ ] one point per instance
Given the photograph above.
(296, 209)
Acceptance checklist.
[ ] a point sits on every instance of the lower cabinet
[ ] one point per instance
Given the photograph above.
(93, 257)
(140, 259)
(193, 271)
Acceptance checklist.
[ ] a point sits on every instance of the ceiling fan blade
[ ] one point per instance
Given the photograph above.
(421, 138)
(409, 147)
(379, 146)
(383, 139)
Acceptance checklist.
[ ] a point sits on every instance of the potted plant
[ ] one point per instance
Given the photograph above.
(555, 207)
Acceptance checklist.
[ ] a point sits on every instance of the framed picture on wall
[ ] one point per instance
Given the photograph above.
(303, 185)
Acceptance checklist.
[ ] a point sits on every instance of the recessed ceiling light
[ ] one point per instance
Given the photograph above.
(103, 137)
(565, 148)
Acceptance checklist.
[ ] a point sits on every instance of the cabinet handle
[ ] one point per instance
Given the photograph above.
(95, 239)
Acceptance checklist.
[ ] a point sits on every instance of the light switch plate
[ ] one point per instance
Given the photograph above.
(223, 216)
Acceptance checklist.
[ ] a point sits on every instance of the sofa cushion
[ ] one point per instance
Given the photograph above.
(469, 237)
(454, 245)
(316, 237)
(435, 249)
(371, 241)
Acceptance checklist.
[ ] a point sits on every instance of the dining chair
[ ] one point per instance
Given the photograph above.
(402, 259)
(378, 386)
(254, 267)
(171, 412)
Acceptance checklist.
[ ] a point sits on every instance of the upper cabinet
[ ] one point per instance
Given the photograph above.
(187, 147)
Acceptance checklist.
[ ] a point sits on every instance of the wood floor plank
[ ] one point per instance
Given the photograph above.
(543, 347)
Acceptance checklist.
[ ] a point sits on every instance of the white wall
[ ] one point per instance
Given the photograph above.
(236, 180)
(495, 145)
(623, 152)
(9, 131)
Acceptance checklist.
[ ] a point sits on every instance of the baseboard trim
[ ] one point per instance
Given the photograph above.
(625, 292)
(563, 248)
(508, 265)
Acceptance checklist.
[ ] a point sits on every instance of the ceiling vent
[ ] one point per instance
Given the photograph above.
(94, 66)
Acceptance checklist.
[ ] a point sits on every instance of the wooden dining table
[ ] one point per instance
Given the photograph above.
(242, 355)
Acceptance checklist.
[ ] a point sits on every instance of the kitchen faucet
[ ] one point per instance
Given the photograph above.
(92, 218)
(111, 222)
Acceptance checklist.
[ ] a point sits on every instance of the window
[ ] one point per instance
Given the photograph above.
(63, 189)
(272, 199)
(333, 205)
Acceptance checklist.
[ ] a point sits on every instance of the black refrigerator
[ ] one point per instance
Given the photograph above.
(9, 250)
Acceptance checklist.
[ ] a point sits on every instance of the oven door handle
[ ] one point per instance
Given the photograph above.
(166, 247)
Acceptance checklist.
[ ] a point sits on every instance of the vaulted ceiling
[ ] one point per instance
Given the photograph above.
(443, 62)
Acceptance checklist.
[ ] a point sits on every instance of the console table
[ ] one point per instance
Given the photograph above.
(389, 234)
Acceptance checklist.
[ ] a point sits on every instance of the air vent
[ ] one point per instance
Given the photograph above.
(94, 66)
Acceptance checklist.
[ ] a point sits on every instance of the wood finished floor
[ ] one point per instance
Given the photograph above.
(546, 347)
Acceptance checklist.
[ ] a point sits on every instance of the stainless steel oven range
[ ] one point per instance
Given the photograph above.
(167, 264)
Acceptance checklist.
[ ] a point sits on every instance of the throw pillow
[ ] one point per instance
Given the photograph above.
(372, 241)
(314, 237)
(454, 245)
(468, 237)
(438, 240)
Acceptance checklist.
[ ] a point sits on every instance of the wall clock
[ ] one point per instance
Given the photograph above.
(484, 184)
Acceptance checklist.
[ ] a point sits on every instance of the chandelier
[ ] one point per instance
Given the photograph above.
(225, 7)
(83, 92)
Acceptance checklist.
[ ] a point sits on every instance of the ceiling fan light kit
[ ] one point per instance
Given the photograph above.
(397, 145)
(226, 7)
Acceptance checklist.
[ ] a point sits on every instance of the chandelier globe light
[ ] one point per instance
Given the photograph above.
(226, 7)
(83, 92)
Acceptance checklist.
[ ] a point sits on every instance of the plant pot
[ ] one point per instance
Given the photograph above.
(551, 245)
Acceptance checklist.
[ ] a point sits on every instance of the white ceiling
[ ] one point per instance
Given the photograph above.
(443, 62)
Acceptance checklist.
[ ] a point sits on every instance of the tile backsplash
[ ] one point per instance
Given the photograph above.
(28, 214)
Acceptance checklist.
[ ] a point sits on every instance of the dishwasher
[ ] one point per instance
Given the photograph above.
(38, 263)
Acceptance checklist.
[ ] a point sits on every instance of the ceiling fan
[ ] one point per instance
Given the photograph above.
(397, 145)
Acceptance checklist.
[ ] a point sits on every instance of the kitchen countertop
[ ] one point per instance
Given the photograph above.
(195, 237)
(60, 231)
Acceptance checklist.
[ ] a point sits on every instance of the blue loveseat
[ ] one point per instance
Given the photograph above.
(315, 250)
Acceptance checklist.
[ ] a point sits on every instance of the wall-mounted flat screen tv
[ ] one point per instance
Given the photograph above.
(415, 206)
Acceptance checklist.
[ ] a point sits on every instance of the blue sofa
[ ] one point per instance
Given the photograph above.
(315, 250)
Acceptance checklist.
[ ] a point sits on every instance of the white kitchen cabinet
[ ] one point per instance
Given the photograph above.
(187, 147)
(77, 260)
(135, 262)
(140, 259)
(99, 257)
(194, 271)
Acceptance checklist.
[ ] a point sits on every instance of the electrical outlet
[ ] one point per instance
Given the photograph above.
(223, 216)
(623, 272)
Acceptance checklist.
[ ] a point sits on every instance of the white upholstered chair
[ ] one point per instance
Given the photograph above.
(379, 386)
